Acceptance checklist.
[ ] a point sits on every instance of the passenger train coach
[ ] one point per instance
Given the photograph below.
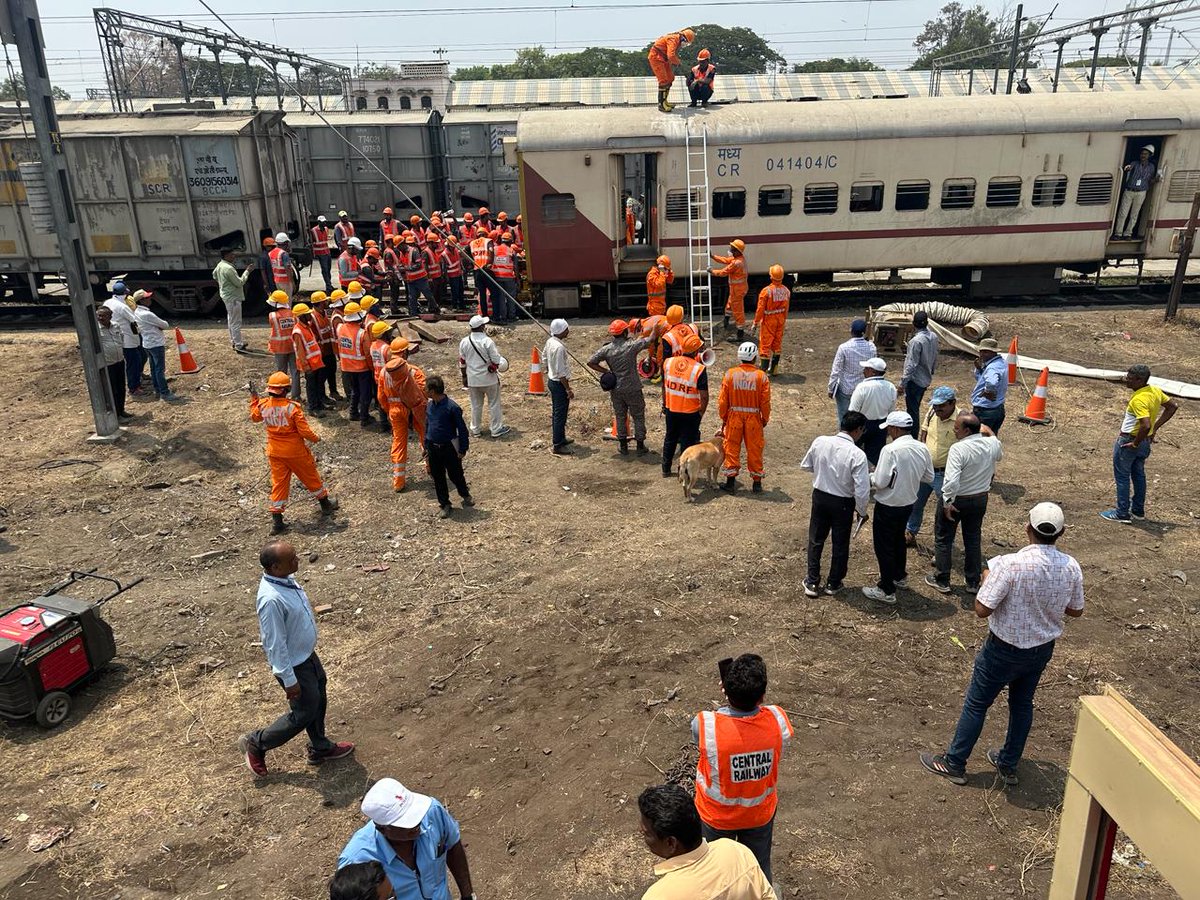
(1000, 194)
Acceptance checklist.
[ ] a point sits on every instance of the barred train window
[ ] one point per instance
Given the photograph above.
(866, 196)
(958, 193)
(729, 203)
(1183, 186)
(912, 196)
(1003, 192)
(677, 205)
(775, 201)
(1094, 190)
(820, 199)
(1050, 190)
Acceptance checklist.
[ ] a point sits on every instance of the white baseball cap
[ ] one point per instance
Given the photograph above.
(321, 219)
(478, 322)
(389, 803)
(558, 326)
(875, 363)
(898, 419)
(1047, 519)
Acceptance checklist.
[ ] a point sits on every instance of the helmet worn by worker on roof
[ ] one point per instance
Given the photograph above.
(282, 238)
(618, 327)
(738, 245)
(675, 314)
(776, 273)
(379, 329)
(279, 298)
(688, 35)
(704, 54)
(664, 261)
(748, 352)
(278, 383)
(399, 345)
(318, 297)
(301, 309)
(692, 344)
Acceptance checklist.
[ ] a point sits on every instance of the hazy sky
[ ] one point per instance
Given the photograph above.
(483, 31)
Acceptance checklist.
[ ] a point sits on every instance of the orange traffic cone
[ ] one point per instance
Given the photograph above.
(187, 360)
(1035, 412)
(537, 381)
(611, 434)
(1011, 359)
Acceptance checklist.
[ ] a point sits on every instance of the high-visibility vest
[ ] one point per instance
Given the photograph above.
(433, 261)
(481, 252)
(347, 269)
(281, 267)
(745, 389)
(320, 240)
(414, 265)
(379, 354)
(391, 261)
(466, 234)
(402, 387)
(504, 262)
(738, 767)
(282, 322)
(388, 227)
(775, 299)
(342, 232)
(324, 329)
(351, 348)
(308, 348)
(367, 274)
(674, 337)
(681, 379)
(705, 76)
(452, 262)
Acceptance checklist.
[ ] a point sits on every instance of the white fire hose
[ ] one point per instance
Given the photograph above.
(973, 323)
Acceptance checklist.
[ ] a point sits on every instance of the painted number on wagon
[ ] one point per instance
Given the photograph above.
(801, 163)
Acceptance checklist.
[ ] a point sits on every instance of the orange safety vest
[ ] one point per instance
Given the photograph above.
(504, 262)
(413, 261)
(287, 429)
(391, 261)
(705, 76)
(739, 767)
(351, 348)
(433, 262)
(405, 388)
(452, 262)
(773, 300)
(281, 271)
(675, 335)
(342, 232)
(324, 329)
(481, 252)
(320, 240)
(308, 348)
(745, 389)
(379, 354)
(282, 322)
(388, 227)
(466, 234)
(681, 377)
(347, 269)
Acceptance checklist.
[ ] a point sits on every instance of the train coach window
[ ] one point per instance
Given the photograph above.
(1005, 191)
(558, 209)
(1183, 186)
(677, 205)
(1094, 190)
(775, 201)
(729, 203)
(912, 196)
(958, 193)
(820, 199)
(866, 196)
(1050, 190)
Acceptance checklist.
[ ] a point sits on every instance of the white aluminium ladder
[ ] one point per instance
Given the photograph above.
(699, 279)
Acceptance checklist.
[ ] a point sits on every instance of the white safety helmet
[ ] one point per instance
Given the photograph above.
(355, 243)
(282, 238)
(748, 352)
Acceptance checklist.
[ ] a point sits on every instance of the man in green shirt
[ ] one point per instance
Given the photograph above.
(232, 287)
(1148, 410)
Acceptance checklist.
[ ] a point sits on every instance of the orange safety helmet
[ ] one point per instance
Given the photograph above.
(278, 383)
(483, 211)
(675, 314)
(399, 345)
(433, 238)
(414, 220)
(688, 35)
(268, 242)
(692, 344)
(387, 210)
(374, 253)
(502, 216)
(468, 218)
(451, 239)
(663, 260)
(506, 236)
(494, 234)
(617, 327)
(635, 325)
(371, 244)
(704, 54)
(776, 273)
(395, 239)
(410, 238)
(738, 245)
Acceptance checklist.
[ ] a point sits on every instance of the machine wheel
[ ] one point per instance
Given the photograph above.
(53, 709)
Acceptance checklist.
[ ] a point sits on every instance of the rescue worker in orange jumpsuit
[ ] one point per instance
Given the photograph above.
(402, 397)
(745, 408)
(770, 319)
(735, 270)
(657, 279)
(279, 343)
(353, 354)
(287, 454)
(651, 367)
(700, 79)
(684, 400)
(306, 343)
(664, 56)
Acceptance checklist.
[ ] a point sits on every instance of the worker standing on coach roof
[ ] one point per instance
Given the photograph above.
(684, 400)
(287, 454)
(322, 248)
(628, 402)
(700, 79)
(741, 746)
(745, 408)
(657, 279)
(280, 343)
(664, 56)
(774, 301)
(283, 272)
(735, 270)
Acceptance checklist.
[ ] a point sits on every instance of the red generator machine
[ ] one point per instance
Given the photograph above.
(52, 645)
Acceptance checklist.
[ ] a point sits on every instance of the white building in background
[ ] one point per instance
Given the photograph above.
(422, 85)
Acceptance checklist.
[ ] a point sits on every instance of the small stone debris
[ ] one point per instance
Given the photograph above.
(1179, 575)
(44, 840)
(323, 608)
(156, 486)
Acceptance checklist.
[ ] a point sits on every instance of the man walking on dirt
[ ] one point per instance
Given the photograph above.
(289, 638)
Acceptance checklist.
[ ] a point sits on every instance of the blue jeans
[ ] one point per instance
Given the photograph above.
(923, 494)
(559, 404)
(1129, 464)
(158, 370)
(135, 364)
(913, 395)
(998, 666)
(842, 403)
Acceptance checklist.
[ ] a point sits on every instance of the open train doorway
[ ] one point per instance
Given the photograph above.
(1139, 175)
(637, 208)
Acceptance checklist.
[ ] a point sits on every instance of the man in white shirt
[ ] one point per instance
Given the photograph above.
(841, 487)
(970, 468)
(558, 376)
(1025, 597)
(150, 327)
(846, 372)
(904, 465)
(124, 322)
(874, 397)
(481, 364)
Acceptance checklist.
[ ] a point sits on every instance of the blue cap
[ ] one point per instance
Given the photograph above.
(858, 326)
(942, 394)
(119, 287)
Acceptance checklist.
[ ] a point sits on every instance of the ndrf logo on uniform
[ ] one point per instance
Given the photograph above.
(751, 766)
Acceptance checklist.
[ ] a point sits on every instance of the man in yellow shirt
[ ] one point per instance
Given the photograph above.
(1149, 409)
(937, 433)
(691, 867)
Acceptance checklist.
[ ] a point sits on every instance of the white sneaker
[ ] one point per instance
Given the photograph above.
(874, 593)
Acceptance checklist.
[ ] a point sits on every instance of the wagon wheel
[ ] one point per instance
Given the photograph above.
(53, 709)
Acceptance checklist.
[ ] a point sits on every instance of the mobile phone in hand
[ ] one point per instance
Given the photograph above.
(723, 667)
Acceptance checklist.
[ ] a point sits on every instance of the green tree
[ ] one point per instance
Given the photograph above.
(11, 89)
(1117, 61)
(837, 64)
(736, 51)
(958, 28)
(377, 72)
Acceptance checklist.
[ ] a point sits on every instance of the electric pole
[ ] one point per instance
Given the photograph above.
(20, 25)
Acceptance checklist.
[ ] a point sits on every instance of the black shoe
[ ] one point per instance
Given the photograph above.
(562, 450)
(810, 589)
(623, 449)
(328, 505)
(278, 526)
(1007, 775)
(692, 105)
(642, 449)
(366, 421)
(446, 511)
(567, 443)
(354, 417)
(667, 473)
(730, 485)
(932, 581)
(757, 488)
(831, 588)
(468, 501)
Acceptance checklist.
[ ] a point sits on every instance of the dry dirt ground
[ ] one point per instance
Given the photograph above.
(507, 661)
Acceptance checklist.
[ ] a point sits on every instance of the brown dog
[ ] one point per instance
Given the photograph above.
(705, 458)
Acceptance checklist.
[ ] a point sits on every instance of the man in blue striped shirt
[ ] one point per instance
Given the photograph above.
(846, 372)
(289, 639)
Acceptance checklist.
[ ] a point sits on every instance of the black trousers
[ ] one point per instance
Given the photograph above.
(835, 514)
(116, 380)
(314, 389)
(444, 463)
(305, 713)
(873, 440)
(456, 291)
(330, 370)
(757, 841)
(362, 392)
(971, 511)
(887, 531)
(700, 92)
(683, 430)
(559, 405)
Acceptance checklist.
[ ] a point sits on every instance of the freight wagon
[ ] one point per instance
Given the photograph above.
(159, 196)
(479, 175)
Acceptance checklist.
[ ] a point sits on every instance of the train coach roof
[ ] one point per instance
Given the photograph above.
(363, 117)
(132, 126)
(633, 128)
